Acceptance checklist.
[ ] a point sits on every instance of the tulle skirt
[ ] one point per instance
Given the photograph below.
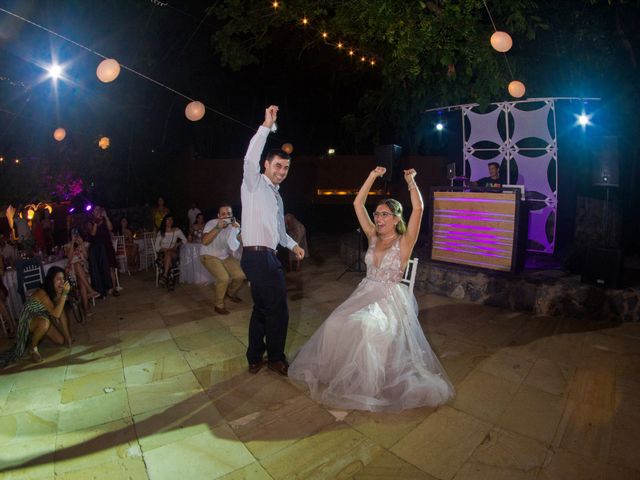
(371, 354)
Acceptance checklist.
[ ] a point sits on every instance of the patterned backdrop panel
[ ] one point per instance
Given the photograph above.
(522, 136)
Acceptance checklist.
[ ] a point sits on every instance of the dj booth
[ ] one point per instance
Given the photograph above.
(479, 228)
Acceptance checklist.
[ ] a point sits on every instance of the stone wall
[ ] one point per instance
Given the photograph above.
(549, 292)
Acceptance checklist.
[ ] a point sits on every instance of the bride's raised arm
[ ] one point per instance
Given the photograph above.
(359, 204)
(417, 207)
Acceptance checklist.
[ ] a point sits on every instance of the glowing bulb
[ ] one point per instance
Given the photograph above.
(501, 41)
(104, 143)
(275, 4)
(305, 21)
(339, 44)
(331, 151)
(583, 119)
(362, 59)
(372, 62)
(17, 161)
(351, 52)
(325, 35)
(55, 71)
(439, 126)
(59, 134)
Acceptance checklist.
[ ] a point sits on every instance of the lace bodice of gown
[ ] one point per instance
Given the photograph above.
(390, 269)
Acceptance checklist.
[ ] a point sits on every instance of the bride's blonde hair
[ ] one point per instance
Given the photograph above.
(396, 208)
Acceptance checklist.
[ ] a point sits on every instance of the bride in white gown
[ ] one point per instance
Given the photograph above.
(371, 353)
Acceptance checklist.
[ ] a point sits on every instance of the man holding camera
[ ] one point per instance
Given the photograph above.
(220, 241)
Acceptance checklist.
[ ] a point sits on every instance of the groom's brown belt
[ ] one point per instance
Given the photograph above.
(259, 248)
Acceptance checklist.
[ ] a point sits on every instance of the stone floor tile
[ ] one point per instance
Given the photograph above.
(561, 465)
(33, 459)
(100, 383)
(147, 353)
(24, 426)
(198, 340)
(215, 353)
(337, 451)
(253, 471)
(484, 396)
(209, 454)
(533, 413)
(388, 466)
(549, 376)
(161, 393)
(443, 442)
(91, 367)
(585, 430)
(513, 368)
(87, 413)
(593, 385)
(160, 369)
(33, 398)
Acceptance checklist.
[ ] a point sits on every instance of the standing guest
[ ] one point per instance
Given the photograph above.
(192, 213)
(43, 314)
(78, 267)
(4, 294)
(130, 247)
(196, 229)
(8, 252)
(102, 256)
(21, 225)
(371, 353)
(264, 229)
(37, 231)
(166, 245)
(221, 240)
(495, 179)
(158, 213)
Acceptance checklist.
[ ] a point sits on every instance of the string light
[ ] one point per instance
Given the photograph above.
(365, 57)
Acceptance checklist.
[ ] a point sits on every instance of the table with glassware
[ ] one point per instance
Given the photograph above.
(191, 268)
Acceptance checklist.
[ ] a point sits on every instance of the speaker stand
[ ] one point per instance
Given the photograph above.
(356, 266)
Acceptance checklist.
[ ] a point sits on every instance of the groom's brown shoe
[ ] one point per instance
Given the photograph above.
(281, 367)
(256, 367)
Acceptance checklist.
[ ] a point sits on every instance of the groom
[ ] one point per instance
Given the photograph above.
(264, 229)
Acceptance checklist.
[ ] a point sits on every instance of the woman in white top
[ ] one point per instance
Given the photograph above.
(166, 245)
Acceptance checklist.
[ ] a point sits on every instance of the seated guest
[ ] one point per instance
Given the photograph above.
(296, 230)
(195, 232)
(102, 256)
(166, 245)
(220, 241)
(130, 246)
(78, 254)
(494, 180)
(43, 314)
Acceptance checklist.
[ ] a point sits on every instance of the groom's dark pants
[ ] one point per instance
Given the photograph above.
(270, 316)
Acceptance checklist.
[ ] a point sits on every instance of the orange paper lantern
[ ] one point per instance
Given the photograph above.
(194, 111)
(287, 148)
(59, 134)
(517, 89)
(501, 41)
(108, 70)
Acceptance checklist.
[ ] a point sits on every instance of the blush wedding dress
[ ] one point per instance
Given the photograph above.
(371, 353)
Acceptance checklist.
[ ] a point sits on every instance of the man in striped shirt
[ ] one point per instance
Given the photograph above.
(264, 229)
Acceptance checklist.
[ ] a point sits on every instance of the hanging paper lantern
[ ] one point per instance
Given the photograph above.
(108, 70)
(287, 148)
(501, 41)
(516, 89)
(59, 134)
(194, 111)
(104, 143)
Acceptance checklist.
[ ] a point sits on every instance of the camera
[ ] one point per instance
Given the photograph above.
(229, 221)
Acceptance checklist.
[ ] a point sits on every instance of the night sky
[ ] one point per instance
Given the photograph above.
(314, 85)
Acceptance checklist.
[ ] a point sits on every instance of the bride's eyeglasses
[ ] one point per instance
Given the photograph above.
(382, 214)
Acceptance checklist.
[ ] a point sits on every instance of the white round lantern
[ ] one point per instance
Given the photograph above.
(104, 143)
(501, 41)
(516, 89)
(59, 134)
(194, 111)
(108, 70)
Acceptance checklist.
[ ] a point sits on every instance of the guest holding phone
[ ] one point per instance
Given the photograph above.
(42, 315)
(220, 244)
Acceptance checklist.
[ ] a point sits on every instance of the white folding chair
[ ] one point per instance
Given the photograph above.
(409, 277)
(174, 272)
(121, 254)
(30, 276)
(148, 253)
